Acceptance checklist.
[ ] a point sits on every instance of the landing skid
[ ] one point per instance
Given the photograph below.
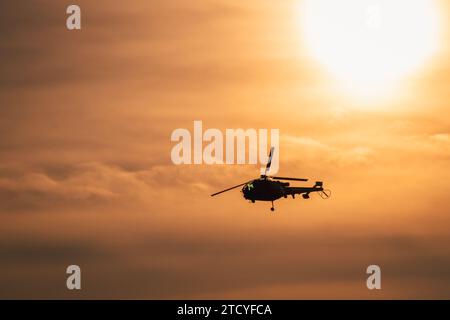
(271, 208)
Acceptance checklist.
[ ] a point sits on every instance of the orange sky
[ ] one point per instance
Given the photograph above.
(86, 176)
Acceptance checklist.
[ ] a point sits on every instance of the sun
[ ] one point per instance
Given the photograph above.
(370, 45)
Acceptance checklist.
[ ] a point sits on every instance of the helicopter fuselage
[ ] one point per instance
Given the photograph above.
(264, 190)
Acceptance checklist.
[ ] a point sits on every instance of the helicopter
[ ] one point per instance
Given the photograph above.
(271, 188)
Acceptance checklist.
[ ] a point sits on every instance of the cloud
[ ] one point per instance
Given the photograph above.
(441, 137)
(86, 176)
(94, 183)
(319, 152)
(199, 264)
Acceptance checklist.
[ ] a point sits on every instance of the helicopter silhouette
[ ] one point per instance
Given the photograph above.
(270, 188)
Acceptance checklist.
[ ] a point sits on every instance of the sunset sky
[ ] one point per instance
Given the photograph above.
(86, 176)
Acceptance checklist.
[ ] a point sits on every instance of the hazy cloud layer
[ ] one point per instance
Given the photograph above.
(86, 176)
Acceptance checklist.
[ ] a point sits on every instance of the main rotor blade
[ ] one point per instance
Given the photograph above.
(286, 178)
(214, 194)
(269, 162)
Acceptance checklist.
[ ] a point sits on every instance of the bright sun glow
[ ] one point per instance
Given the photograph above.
(369, 45)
